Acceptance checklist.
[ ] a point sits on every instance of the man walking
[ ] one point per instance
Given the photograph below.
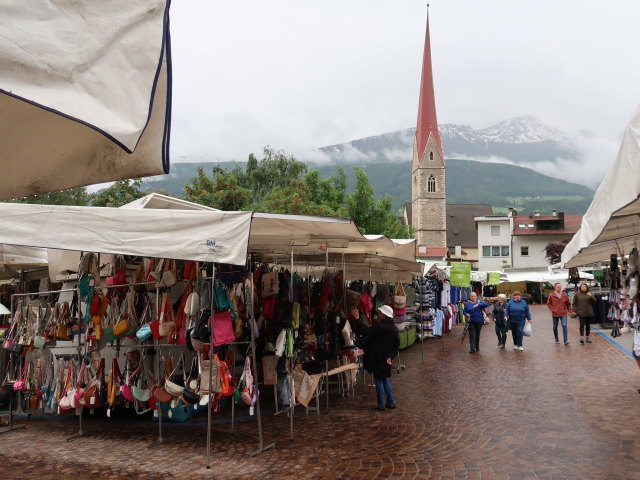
(559, 304)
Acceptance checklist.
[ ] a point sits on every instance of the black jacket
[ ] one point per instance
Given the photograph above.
(382, 343)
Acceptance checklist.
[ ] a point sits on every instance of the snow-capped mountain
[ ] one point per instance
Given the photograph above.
(522, 140)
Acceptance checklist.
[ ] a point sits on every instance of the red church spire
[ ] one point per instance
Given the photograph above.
(427, 121)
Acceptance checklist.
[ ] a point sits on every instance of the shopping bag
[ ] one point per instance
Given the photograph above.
(527, 331)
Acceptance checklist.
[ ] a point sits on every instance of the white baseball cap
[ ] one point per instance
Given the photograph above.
(386, 310)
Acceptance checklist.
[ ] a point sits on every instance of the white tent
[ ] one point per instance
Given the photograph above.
(208, 236)
(612, 222)
(85, 93)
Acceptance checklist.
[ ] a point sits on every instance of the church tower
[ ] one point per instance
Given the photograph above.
(428, 196)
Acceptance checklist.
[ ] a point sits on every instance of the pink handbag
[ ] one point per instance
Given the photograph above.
(222, 329)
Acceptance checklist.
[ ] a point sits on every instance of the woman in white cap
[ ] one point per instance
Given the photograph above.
(381, 346)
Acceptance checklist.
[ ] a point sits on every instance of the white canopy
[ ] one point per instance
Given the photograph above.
(612, 222)
(208, 236)
(82, 86)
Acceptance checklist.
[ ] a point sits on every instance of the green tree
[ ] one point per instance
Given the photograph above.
(223, 191)
(275, 169)
(118, 194)
(296, 199)
(73, 196)
(370, 215)
(330, 192)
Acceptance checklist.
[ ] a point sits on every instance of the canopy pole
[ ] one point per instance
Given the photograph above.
(79, 410)
(326, 362)
(254, 367)
(211, 347)
(292, 393)
(9, 368)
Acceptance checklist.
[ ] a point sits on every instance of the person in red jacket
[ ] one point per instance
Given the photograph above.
(559, 304)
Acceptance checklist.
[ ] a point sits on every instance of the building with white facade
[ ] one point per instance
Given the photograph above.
(519, 241)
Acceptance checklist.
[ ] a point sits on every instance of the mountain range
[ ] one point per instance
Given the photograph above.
(387, 161)
(521, 140)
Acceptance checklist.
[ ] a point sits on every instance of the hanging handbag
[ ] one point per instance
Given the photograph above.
(400, 297)
(174, 388)
(270, 284)
(170, 275)
(92, 392)
(166, 321)
(222, 329)
(160, 393)
(216, 379)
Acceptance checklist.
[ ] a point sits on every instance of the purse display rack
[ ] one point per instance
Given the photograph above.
(89, 294)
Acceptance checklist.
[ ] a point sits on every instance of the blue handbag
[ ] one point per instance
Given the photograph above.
(144, 332)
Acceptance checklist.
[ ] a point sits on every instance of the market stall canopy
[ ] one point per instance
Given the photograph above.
(279, 233)
(159, 201)
(85, 93)
(207, 236)
(612, 222)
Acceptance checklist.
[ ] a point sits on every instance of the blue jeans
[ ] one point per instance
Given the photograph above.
(383, 386)
(516, 332)
(563, 320)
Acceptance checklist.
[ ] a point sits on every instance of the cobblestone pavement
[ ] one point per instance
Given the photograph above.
(550, 412)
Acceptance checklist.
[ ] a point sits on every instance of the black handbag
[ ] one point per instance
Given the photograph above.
(189, 397)
(201, 330)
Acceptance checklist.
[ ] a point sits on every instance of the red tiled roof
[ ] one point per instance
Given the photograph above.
(571, 224)
(436, 252)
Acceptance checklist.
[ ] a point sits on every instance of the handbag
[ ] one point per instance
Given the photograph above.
(170, 276)
(527, 330)
(216, 379)
(160, 393)
(173, 388)
(222, 329)
(400, 297)
(270, 284)
(164, 326)
(92, 392)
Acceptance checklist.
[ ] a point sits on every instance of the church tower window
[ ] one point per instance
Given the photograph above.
(431, 184)
(431, 156)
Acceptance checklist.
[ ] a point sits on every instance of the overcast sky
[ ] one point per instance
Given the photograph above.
(298, 75)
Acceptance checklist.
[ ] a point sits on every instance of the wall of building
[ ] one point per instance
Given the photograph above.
(497, 237)
(535, 246)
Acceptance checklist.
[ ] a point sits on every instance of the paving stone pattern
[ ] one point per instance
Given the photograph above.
(551, 412)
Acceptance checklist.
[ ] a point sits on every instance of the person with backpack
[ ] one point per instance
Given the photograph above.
(559, 305)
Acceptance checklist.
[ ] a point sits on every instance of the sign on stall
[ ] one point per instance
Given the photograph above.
(460, 274)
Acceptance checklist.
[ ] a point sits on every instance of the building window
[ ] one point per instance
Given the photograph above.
(524, 251)
(415, 180)
(495, 230)
(431, 156)
(431, 184)
(495, 250)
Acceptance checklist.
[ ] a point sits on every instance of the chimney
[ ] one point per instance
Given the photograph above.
(554, 212)
(536, 213)
(510, 212)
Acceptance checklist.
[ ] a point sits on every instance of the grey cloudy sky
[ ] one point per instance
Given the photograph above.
(297, 74)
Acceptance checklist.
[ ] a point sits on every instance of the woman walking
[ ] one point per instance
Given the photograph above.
(474, 313)
(498, 317)
(559, 305)
(582, 304)
(517, 313)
